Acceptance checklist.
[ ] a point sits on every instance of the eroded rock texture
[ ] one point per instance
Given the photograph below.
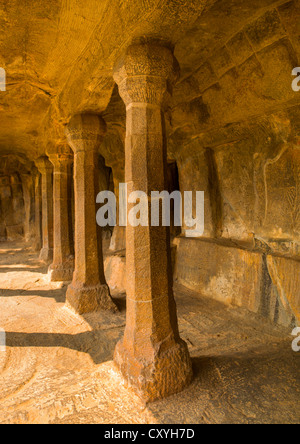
(189, 95)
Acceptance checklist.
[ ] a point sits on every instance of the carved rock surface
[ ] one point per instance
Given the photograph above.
(133, 87)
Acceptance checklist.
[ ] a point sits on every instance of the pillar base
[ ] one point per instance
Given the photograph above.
(46, 255)
(89, 299)
(169, 373)
(62, 272)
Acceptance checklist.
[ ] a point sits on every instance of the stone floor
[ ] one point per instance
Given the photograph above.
(57, 367)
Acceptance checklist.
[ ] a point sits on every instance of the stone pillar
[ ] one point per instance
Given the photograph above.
(62, 267)
(29, 203)
(89, 291)
(151, 356)
(45, 168)
(38, 212)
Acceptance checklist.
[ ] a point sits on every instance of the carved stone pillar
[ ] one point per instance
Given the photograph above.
(151, 356)
(38, 212)
(45, 168)
(28, 181)
(89, 291)
(62, 267)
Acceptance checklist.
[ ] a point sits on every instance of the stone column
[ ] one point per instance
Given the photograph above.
(29, 203)
(89, 291)
(45, 168)
(118, 240)
(62, 267)
(151, 356)
(38, 212)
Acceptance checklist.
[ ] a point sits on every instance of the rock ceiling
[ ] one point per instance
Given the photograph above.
(59, 56)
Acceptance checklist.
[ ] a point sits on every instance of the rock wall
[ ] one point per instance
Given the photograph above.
(250, 252)
(263, 283)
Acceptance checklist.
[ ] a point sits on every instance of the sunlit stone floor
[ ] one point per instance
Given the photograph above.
(58, 367)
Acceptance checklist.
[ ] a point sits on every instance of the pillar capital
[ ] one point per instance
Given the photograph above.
(62, 156)
(44, 165)
(146, 73)
(85, 132)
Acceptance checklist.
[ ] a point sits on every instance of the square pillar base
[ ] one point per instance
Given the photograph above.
(46, 255)
(169, 373)
(84, 300)
(62, 272)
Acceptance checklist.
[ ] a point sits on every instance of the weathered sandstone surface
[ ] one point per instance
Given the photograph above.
(189, 95)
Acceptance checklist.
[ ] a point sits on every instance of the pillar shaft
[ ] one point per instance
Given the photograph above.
(118, 240)
(151, 356)
(46, 170)
(88, 291)
(62, 267)
(38, 212)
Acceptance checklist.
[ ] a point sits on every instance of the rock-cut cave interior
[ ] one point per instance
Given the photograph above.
(145, 324)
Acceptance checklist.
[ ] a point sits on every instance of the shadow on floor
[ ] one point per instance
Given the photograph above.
(249, 388)
(98, 344)
(39, 269)
(258, 386)
(59, 295)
